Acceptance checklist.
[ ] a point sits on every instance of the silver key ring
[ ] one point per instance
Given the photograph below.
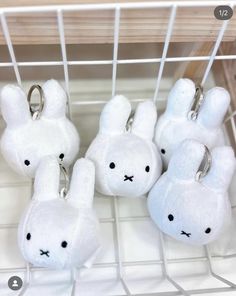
(36, 113)
(130, 121)
(64, 190)
(197, 102)
(204, 166)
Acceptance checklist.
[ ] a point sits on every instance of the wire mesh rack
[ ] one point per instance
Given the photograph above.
(119, 272)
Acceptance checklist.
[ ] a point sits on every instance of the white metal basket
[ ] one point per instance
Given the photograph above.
(136, 259)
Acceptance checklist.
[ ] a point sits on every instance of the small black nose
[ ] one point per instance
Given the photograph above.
(42, 252)
(185, 233)
(61, 156)
(128, 178)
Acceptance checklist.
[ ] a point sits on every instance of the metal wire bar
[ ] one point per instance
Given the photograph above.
(10, 47)
(232, 122)
(230, 116)
(118, 247)
(165, 267)
(115, 49)
(191, 292)
(24, 289)
(64, 57)
(111, 6)
(214, 51)
(27, 281)
(129, 263)
(220, 278)
(101, 220)
(169, 293)
(74, 281)
(165, 50)
(122, 61)
(73, 288)
(114, 76)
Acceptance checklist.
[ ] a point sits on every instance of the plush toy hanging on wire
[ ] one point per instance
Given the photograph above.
(192, 204)
(126, 160)
(57, 231)
(190, 115)
(29, 135)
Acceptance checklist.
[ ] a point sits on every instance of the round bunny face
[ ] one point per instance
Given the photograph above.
(186, 213)
(30, 143)
(130, 165)
(174, 126)
(56, 232)
(46, 238)
(127, 162)
(26, 141)
(195, 212)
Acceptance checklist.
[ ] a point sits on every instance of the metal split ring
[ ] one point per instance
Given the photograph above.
(130, 121)
(65, 188)
(204, 166)
(36, 113)
(197, 102)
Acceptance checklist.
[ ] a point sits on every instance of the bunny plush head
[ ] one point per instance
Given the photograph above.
(175, 124)
(127, 162)
(26, 141)
(192, 211)
(60, 232)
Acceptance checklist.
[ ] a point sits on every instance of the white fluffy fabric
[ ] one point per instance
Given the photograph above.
(26, 141)
(127, 161)
(174, 125)
(195, 212)
(56, 232)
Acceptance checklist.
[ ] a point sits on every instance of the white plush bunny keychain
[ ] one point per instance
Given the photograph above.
(26, 139)
(186, 204)
(59, 232)
(126, 160)
(180, 121)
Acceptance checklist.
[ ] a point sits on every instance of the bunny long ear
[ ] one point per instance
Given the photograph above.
(180, 98)
(222, 168)
(47, 179)
(81, 191)
(114, 116)
(14, 106)
(144, 120)
(186, 160)
(214, 107)
(55, 100)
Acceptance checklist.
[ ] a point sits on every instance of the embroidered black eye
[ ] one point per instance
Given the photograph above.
(208, 230)
(163, 151)
(171, 217)
(147, 168)
(27, 162)
(112, 165)
(61, 156)
(28, 236)
(64, 244)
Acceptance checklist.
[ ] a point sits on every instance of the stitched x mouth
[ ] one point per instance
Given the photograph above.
(44, 253)
(128, 178)
(185, 233)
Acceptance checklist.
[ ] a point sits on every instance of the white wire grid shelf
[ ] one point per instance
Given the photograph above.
(116, 220)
